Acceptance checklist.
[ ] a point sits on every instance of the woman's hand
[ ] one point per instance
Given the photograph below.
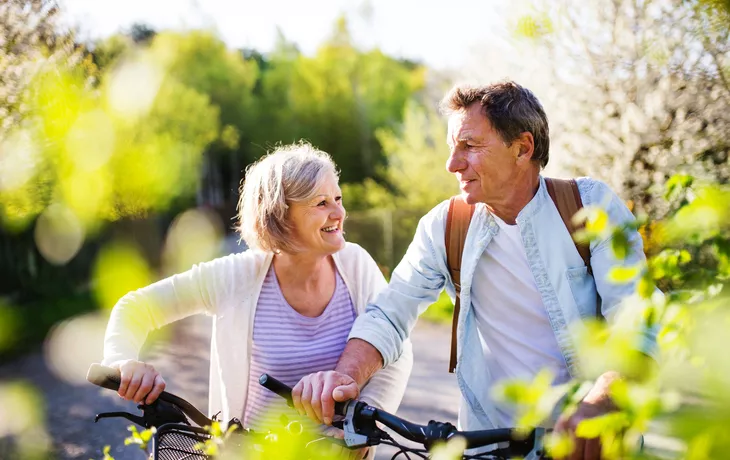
(140, 381)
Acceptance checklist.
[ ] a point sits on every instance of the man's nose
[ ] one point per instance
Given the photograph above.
(455, 162)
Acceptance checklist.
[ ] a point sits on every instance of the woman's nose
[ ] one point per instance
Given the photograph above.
(338, 212)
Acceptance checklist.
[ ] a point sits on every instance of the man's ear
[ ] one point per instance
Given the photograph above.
(526, 146)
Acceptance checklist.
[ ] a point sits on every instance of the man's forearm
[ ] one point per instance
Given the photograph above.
(359, 360)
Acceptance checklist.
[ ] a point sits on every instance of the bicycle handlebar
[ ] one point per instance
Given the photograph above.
(284, 390)
(422, 434)
(110, 378)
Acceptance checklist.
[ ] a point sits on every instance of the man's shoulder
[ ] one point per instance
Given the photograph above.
(597, 193)
(438, 212)
(433, 223)
(594, 191)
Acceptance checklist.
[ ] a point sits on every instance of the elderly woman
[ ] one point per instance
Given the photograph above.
(284, 307)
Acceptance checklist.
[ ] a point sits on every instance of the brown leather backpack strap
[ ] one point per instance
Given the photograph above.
(457, 225)
(566, 196)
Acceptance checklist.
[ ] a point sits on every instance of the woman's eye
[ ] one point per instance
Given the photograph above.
(338, 199)
(322, 203)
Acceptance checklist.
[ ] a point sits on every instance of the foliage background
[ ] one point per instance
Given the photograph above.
(116, 154)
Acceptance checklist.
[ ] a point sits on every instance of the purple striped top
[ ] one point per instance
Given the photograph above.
(288, 346)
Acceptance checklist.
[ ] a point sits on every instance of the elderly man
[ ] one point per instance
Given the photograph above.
(522, 280)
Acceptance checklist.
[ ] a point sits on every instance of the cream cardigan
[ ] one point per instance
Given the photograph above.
(228, 288)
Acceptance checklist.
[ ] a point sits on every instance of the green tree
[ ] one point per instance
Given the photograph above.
(383, 217)
(337, 100)
(641, 91)
(33, 40)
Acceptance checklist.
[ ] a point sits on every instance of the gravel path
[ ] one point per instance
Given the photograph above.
(70, 408)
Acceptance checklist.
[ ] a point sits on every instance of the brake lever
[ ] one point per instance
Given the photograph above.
(366, 433)
(538, 450)
(131, 417)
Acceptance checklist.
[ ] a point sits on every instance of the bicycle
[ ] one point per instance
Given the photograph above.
(176, 438)
(174, 419)
(360, 429)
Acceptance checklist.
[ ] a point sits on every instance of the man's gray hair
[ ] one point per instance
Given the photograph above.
(510, 108)
(291, 173)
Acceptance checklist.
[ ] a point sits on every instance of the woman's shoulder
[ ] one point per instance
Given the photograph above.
(356, 260)
(353, 252)
(234, 264)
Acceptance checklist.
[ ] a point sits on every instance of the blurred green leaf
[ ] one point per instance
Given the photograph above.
(141, 439)
(677, 185)
(533, 26)
(645, 287)
(622, 275)
(559, 445)
(453, 449)
(119, 269)
(9, 324)
(620, 244)
(107, 455)
(595, 219)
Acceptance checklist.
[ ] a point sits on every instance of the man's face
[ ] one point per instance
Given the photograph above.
(481, 161)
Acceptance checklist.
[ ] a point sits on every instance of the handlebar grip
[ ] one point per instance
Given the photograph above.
(277, 386)
(105, 377)
(110, 378)
(284, 390)
(487, 437)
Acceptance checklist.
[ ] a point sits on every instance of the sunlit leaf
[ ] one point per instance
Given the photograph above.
(595, 219)
(622, 275)
(453, 449)
(119, 269)
(620, 244)
(559, 445)
(676, 184)
(645, 287)
(107, 455)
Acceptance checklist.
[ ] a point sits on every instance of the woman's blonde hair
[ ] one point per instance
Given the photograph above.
(291, 173)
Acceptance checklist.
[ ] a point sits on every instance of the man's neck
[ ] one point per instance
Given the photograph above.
(524, 190)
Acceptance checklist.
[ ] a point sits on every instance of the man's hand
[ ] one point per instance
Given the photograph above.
(596, 403)
(315, 394)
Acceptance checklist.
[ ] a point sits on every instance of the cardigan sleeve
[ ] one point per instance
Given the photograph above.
(198, 290)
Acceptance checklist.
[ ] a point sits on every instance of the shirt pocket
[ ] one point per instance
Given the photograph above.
(583, 288)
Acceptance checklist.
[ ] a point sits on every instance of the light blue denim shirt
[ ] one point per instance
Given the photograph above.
(568, 291)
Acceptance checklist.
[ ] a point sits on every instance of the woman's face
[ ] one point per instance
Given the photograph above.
(318, 222)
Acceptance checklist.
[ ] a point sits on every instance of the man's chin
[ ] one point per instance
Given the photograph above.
(470, 198)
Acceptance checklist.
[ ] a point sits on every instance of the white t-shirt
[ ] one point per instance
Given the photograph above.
(514, 328)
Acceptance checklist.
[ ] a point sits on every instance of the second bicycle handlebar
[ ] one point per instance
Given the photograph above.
(110, 378)
(422, 434)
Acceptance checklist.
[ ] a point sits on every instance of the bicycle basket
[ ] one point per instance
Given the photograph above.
(174, 441)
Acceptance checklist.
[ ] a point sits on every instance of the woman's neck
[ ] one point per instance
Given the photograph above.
(303, 271)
